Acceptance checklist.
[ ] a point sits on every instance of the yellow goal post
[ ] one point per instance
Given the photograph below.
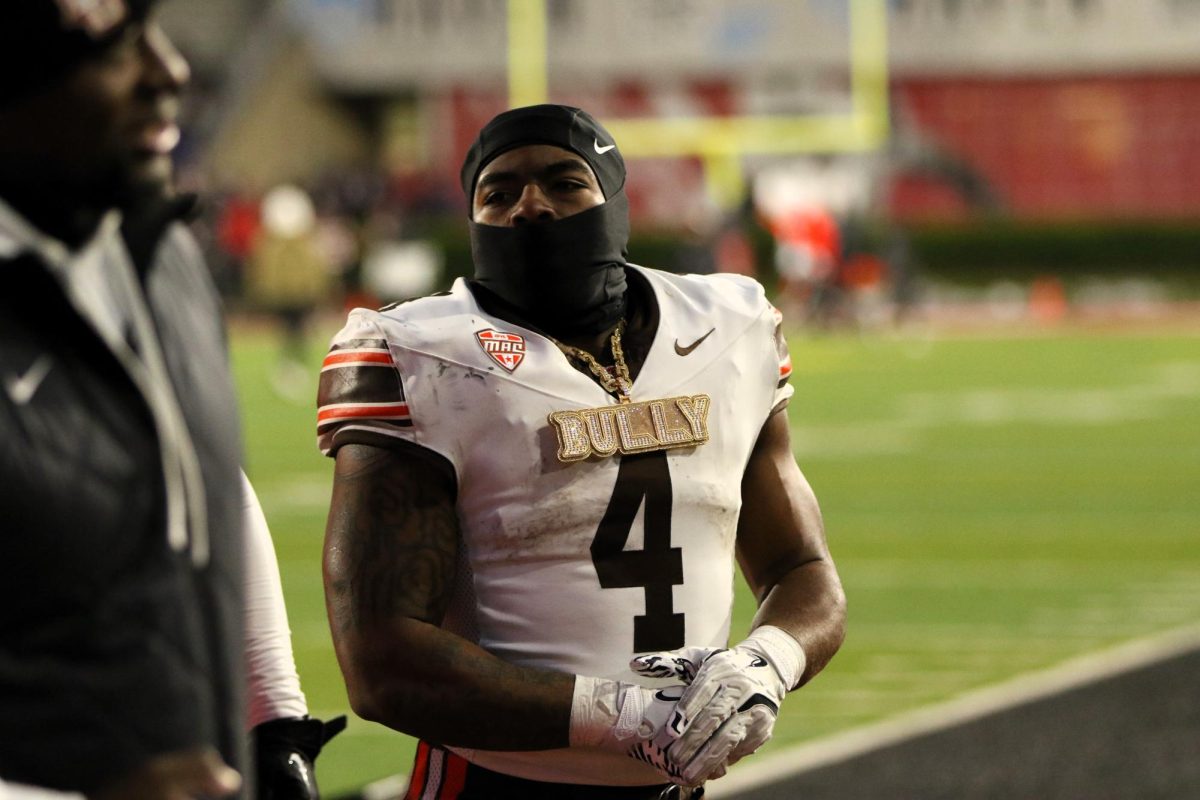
(721, 142)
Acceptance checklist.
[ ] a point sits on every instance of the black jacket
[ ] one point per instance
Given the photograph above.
(113, 647)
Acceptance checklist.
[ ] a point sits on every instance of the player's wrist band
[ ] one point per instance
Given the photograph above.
(594, 710)
(781, 649)
(605, 713)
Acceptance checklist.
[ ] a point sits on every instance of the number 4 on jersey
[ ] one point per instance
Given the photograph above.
(657, 566)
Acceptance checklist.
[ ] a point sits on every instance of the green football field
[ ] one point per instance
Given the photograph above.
(995, 503)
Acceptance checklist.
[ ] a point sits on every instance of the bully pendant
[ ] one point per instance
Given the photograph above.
(632, 427)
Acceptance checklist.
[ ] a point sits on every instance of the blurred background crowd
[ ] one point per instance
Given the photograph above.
(1040, 157)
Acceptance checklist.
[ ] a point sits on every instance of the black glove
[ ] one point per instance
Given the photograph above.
(284, 752)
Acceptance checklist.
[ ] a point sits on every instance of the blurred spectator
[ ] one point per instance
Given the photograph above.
(236, 228)
(807, 251)
(288, 275)
(857, 293)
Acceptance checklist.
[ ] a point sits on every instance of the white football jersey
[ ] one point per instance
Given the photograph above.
(572, 565)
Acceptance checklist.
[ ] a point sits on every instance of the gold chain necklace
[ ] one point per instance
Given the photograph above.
(629, 427)
(619, 385)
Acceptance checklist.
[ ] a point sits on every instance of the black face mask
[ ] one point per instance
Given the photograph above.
(567, 277)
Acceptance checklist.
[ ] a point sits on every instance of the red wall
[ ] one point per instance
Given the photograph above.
(1121, 146)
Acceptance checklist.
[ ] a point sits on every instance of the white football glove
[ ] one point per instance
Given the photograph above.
(729, 709)
(629, 719)
(680, 665)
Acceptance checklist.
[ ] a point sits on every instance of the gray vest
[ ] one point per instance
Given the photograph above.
(113, 646)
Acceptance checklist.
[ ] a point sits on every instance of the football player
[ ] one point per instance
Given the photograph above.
(543, 480)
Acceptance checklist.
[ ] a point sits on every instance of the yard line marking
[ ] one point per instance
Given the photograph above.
(386, 788)
(1024, 689)
(915, 413)
(302, 492)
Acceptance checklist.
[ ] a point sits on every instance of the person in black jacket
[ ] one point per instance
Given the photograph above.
(121, 502)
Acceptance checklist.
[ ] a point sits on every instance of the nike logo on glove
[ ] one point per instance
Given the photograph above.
(601, 150)
(22, 388)
(759, 700)
(683, 351)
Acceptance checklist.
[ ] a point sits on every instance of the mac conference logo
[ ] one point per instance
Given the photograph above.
(506, 349)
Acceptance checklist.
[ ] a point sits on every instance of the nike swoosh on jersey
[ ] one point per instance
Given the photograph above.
(601, 150)
(22, 388)
(683, 351)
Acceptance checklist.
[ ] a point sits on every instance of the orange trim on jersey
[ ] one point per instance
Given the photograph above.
(342, 357)
(454, 776)
(355, 411)
(785, 369)
(416, 784)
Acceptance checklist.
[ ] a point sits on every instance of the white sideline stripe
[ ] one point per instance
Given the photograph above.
(1069, 675)
(386, 788)
(1024, 689)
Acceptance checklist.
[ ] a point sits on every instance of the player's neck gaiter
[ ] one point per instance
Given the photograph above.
(567, 277)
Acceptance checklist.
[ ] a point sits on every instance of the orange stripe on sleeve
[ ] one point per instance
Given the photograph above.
(342, 357)
(389, 411)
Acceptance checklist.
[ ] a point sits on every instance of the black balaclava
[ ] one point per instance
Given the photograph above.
(567, 276)
(42, 40)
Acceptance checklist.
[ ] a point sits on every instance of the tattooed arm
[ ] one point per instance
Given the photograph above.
(391, 547)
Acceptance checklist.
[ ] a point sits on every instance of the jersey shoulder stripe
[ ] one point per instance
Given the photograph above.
(334, 413)
(359, 384)
(359, 373)
(362, 393)
(357, 358)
